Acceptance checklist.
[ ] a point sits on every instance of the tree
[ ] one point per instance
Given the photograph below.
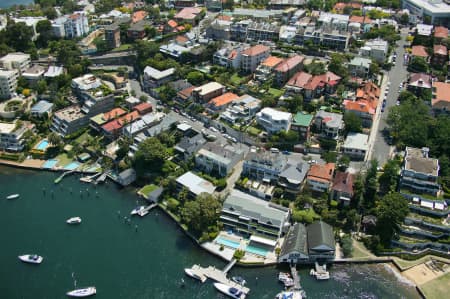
(41, 87)
(337, 64)
(352, 122)
(329, 157)
(102, 45)
(343, 162)
(18, 36)
(201, 213)
(149, 156)
(295, 104)
(44, 28)
(195, 77)
(418, 65)
(54, 139)
(371, 185)
(316, 68)
(374, 69)
(404, 19)
(391, 211)
(388, 180)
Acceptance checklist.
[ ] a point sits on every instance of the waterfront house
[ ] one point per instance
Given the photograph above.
(274, 121)
(12, 135)
(420, 172)
(126, 177)
(320, 177)
(342, 189)
(194, 184)
(295, 247)
(220, 159)
(249, 215)
(329, 124)
(68, 120)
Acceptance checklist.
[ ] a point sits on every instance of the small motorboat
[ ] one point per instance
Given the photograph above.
(73, 220)
(137, 210)
(86, 292)
(230, 291)
(12, 196)
(31, 258)
(239, 279)
(191, 273)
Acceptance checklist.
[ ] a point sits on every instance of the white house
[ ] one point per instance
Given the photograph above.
(356, 146)
(15, 61)
(376, 49)
(273, 120)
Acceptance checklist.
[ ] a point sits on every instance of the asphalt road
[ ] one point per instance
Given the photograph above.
(381, 151)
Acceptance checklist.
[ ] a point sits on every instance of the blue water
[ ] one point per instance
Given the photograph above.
(49, 164)
(228, 243)
(72, 166)
(42, 145)
(256, 250)
(8, 3)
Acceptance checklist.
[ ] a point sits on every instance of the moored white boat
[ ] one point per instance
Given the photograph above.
(31, 258)
(73, 220)
(12, 196)
(191, 273)
(137, 210)
(239, 279)
(289, 295)
(230, 291)
(85, 292)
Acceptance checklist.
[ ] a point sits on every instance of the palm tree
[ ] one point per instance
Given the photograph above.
(54, 139)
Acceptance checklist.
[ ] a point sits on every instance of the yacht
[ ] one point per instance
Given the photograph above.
(73, 220)
(239, 279)
(289, 295)
(230, 291)
(31, 258)
(86, 292)
(191, 273)
(137, 210)
(12, 196)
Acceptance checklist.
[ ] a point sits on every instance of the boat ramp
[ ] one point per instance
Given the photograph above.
(218, 275)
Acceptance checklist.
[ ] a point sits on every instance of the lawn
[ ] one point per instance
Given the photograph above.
(276, 92)
(82, 138)
(236, 80)
(63, 159)
(437, 288)
(253, 131)
(122, 47)
(147, 189)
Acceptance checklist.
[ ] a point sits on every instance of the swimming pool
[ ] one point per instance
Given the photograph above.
(49, 164)
(256, 250)
(42, 145)
(228, 243)
(72, 166)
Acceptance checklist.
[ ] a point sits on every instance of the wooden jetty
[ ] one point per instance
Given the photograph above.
(218, 275)
(90, 178)
(101, 179)
(296, 278)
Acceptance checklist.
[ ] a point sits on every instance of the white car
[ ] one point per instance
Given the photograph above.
(213, 129)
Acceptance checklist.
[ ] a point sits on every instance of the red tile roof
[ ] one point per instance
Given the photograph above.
(116, 112)
(289, 63)
(186, 93)
(360, 19)
(272, 61)
(440, 50)
(329, 78)
(255, 50)
(138, 16)
(299, 79)
(119, 123)
(172, 23)
(420, 80)
(440, 32)
(322, 173)
(181, 39)
(188, 13)
(420, 51)
(343, 182)
(441, 94)
(359, 106)
(143, 108)
(224, 99)
(224, 18)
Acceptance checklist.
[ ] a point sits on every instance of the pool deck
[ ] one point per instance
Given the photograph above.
(37, 164)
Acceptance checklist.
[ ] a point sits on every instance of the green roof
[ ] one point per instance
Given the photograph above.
(320, 236)
(302, 119)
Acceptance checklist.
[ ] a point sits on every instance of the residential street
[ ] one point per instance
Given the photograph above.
(380, 150)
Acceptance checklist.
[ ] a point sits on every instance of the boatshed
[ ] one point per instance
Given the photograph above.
(295, 249)
(126, 177)
(321, 244)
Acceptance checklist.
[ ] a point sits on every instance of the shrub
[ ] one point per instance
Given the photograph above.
(238, 254)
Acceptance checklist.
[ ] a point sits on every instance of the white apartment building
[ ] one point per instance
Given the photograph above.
(8, 83)
(15, 61)
(376, 49)
(437, 10)
(75, 25)
(273, 120)
(31, 22)
(11, 135)
(253, 56)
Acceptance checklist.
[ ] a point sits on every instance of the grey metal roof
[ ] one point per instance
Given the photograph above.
(295, 240)
(320, 236)
(250, 206)
(295, 174)
(41, 107)
(195, 184)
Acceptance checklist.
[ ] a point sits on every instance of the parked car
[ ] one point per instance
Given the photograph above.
(213, 129)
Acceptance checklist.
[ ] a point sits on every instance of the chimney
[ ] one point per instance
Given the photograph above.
(425, 151)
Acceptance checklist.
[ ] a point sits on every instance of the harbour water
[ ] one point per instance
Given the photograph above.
(8, 3)
(143, 258)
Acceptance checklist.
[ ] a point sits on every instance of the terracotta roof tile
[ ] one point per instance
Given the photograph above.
(224, 99)
(343, 182)
(289, 63)
(172, 23)
(186, 93)
(120, 122)
(440, 32)
(143, 107)
(116, 112)
(442, 93)
(360, 106)
(440, 50)
(321, 172)
(138, 16)
(255, 50)
(419, 51)
(300, 79)
(272, 61)
(188, 13)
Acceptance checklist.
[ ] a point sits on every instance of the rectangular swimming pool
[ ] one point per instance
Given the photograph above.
(228, 243)
(256, 250)
(42, 145)
(49, 164)
(72, 166)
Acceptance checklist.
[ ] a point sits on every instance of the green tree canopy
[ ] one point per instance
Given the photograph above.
(352, 122)
(201, 213)
(195, 77)
(388, 180)
(391, 211)
(149, 156)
